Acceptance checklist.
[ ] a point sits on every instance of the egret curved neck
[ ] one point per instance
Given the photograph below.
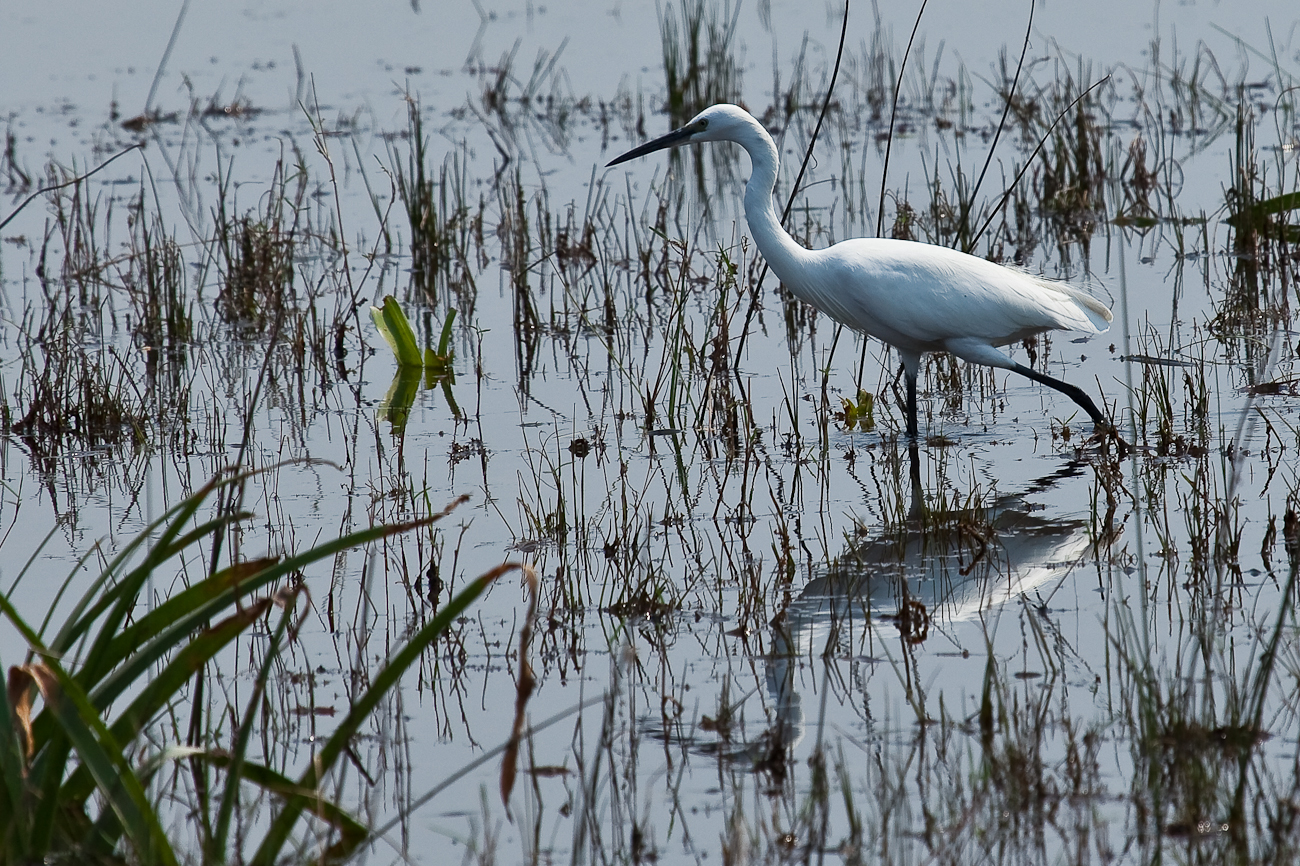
(782, 252)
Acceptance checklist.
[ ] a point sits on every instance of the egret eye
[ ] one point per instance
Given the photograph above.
(702, 124)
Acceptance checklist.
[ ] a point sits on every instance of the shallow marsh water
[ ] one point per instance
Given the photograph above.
(1072, 670)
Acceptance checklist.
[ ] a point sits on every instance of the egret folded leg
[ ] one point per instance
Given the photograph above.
(1074, 393)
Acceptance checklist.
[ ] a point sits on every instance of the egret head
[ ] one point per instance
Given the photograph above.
(715, 123)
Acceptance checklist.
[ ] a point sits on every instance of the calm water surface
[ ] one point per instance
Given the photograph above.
(778, 556)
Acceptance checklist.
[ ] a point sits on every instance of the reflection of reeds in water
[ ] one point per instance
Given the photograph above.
(73, 391)
(1263, 234)
(672, 499)
(700, 66)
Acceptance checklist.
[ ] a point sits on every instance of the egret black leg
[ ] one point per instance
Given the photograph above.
(1074, 393)
(911, 402)
(914, 459)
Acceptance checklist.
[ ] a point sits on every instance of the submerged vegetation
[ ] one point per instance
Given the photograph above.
(766, 629)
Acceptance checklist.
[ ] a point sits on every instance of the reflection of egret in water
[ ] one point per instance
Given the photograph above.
(945, 566)
(933, 570)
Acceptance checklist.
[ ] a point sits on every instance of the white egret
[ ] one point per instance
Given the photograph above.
(914, 296)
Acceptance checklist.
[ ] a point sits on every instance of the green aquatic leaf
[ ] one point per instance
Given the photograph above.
(396, 330)
(1257, 214)
(395, 408)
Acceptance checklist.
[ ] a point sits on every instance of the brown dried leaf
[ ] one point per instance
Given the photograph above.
(523, 691)
(21, 696)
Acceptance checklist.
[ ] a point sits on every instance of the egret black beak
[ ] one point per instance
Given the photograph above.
(670, 140)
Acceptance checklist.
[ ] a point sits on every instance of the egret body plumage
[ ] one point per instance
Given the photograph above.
(914, 296)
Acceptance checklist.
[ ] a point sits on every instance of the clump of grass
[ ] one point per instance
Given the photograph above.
(78, 753)
(516, 250)
(155, 279)
(438, 214)
(84, 222)
(70, 399)
(1073, 172)
(1139, 182)
(1263, 236)
(259, 272)
(256, 252)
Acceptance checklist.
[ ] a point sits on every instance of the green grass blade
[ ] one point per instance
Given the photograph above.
(99, 841)
(204, 601)
(439, 364)
(392, 324)
(444, 339)
(117, 604)
(173, 620)
(191, 608)
(153, 635)
(1257, 213)
(166, 685)
(392, 672)
(122, 660)
(1279, 203)
(120, 598)
(179, 617)
(93, 602)
(128, 658)
(351, 831)
(103, 756)
(230, 794)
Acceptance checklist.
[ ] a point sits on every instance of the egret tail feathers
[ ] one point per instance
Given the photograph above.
(1097, 312)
